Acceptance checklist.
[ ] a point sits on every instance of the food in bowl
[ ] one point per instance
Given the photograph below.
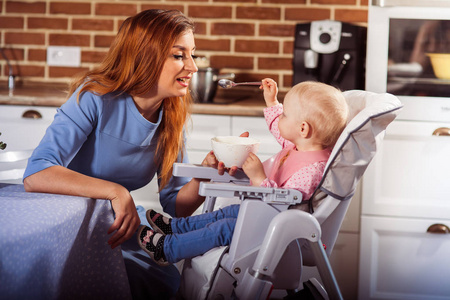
(441, 64)
(233, 150)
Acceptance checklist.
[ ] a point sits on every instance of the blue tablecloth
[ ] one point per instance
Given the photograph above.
(55, 247)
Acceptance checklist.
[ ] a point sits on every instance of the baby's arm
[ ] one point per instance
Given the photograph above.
(254, 169)
(270, 91)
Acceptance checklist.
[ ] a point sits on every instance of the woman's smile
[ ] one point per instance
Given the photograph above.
(184, 81)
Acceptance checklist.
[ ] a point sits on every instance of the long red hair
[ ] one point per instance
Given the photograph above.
(133, 65)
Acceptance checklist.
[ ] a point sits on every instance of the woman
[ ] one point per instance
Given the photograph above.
(124, 122)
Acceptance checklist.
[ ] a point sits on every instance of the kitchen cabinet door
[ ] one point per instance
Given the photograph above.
(22, 129)
(400, 260)
(409, 175)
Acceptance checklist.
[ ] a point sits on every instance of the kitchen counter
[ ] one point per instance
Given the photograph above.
(242, 101)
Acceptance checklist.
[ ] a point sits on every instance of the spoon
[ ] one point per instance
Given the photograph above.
(227, 84)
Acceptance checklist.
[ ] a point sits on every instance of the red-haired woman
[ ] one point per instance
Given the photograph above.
(123, 123)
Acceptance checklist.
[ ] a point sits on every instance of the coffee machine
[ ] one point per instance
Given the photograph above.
(331, 52)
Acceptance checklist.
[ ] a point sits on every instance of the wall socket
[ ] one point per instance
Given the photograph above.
(63, 56)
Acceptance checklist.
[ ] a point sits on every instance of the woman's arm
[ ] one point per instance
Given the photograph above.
(188, 199)
(60, 180)
(46, 171)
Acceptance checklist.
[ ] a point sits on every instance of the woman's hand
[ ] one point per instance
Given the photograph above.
(211, 161)
(60, 180)
(188, 199)
(254, 169)
(126, 218)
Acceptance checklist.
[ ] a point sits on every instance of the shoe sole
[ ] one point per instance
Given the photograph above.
(151, 254)
(152, 224)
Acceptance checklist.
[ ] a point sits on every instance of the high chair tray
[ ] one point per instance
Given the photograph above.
(199, 171)
(267, 194)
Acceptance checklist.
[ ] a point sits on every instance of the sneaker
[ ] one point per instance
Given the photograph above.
(159, 223)
(153, 244)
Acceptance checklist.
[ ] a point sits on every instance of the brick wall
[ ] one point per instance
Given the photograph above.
(252, 38)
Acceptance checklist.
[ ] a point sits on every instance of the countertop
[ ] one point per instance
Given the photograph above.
(240, 101)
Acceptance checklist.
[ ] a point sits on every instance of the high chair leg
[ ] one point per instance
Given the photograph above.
(254, 287)
(283, 229)
(208, 205)
(325, 270)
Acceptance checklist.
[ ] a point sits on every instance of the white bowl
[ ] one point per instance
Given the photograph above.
(233, 150)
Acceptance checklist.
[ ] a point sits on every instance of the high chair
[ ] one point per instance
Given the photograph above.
(277, 232)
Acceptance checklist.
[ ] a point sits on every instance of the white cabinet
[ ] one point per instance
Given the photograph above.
(400, 260)
(22, 129)
(405, 190)
(410, 176)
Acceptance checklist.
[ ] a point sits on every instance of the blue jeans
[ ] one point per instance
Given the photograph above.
(195, 235)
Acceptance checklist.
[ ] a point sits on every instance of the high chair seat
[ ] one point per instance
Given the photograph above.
(272, 239)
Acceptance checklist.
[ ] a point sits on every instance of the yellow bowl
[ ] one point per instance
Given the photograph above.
(441, 64)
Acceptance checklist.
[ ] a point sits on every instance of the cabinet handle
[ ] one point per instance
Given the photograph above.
(32, 114)
(444, 131)
(438, 228)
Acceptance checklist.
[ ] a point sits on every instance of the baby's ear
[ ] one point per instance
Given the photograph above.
(305, 129)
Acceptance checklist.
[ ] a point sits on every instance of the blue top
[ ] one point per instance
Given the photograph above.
(105, 137)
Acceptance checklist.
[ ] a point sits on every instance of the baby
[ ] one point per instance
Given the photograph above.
(307, 125)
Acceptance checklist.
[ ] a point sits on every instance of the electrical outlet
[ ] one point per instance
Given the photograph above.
(64, 56)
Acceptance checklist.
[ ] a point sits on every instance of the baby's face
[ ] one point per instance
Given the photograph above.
(289, 123)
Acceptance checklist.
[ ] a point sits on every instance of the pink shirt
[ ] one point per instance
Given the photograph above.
(290, 168)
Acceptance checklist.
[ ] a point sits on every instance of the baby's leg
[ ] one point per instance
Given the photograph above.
(183, 225)
(197, 242)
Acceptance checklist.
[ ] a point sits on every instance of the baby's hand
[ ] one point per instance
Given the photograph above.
(254, 169)
(270, 91)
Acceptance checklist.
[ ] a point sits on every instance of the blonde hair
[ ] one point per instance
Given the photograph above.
(133, 65)
(324, 108)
